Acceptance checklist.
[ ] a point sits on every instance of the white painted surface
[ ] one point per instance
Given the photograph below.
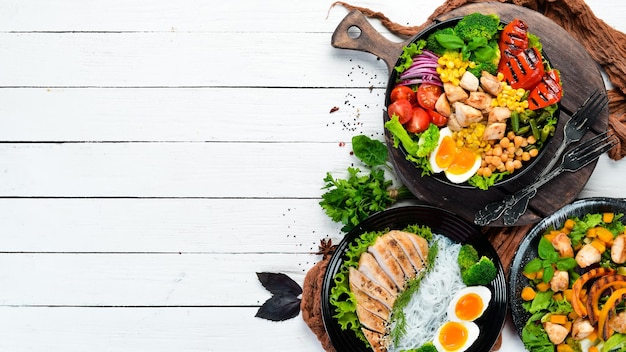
(156, 154)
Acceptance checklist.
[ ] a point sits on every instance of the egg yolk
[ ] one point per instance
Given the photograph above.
(463, 161)
(446, 152)
(453, 336)
(469, 306)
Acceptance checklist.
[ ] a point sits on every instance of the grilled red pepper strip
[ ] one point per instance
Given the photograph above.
(513, 40)
(547, 92)
(524, 70)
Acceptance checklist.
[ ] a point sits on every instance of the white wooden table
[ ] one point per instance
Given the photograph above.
(154, 155)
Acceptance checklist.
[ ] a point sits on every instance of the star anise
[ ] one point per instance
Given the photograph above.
(326, 247)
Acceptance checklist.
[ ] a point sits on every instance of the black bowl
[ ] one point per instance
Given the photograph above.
(441, 222)
(527, 249)
(440, 176)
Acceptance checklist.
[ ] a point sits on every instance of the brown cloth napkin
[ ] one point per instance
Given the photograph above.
(606, 46)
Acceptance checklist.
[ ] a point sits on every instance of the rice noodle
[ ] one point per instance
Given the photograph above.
(426, 310)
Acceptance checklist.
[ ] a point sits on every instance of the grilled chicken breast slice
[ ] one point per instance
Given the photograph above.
(412, 252)
(377, 341)
(395, 248)
(371, 304)
(370, 320)
(370, 268)
(359, 281)
(388, 262)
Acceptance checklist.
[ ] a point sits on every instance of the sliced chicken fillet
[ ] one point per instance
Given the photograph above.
(370, 288)
(377, 340)
(370, 268)
(370, 320)
(412, 252)
(371, 304)
(387, 262)
(394, 247)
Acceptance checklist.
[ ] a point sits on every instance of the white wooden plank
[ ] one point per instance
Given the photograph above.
(193, 15)
(189, 114)
(216, 329)
(164, 225)
(230, 170)
(184, 59)
(143, 279)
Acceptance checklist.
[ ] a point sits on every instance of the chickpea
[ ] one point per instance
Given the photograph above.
(487, 172)
(504, 142)
(510, 167)
(518, 141)
(526, 156)
(517, 164)
(534, 152)
(531, 139)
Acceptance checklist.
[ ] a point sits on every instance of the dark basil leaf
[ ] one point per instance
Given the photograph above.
(370, 151)
(566, 264)
(278, 283)
(280, 307)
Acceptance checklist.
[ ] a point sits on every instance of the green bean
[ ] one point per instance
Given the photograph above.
(535, 129)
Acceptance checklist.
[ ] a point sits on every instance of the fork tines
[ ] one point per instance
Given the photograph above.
(596, 101)
(593, 147)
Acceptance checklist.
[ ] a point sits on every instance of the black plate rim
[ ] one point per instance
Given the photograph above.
(440, 177)
(527, 248)
(437, 218)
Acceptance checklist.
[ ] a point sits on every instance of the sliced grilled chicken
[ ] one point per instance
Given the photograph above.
(376, 340)
(387, 262)
(398, 253)
(412, 252)
(371, 321)
(373, 305)
(369, 287)
(421, 244)
(370, 268)
(495, 131)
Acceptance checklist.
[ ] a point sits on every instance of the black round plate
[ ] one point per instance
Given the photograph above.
(441, 222)
(527, 249)
(393, 77)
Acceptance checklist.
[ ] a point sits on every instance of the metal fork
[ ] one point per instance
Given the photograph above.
(578, 124)
(573, 160)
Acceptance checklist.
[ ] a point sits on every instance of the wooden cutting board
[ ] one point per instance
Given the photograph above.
(580, 76)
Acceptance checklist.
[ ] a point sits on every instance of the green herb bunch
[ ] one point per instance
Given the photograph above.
(355, 198)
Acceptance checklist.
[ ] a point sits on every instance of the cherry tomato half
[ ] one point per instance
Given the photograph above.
(403, 93)
(401, 108)
(419, 121)
(427, 95)
(437, 118)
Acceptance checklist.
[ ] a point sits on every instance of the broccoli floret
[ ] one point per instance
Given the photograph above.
(477, 25)
(481, 273)
(467, 257)
(483, 66)
(433, 45)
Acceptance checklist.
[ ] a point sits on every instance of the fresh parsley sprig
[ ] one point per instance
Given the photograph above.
(351, 200)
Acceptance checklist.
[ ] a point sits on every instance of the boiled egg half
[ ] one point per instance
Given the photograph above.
(458, 164)
(469, 303)
(455, 336)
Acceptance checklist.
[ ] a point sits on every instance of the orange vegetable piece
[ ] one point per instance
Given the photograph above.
(528, 294)
(569, 224)
(608, 217)
(563, 347)
(604, 234)
(560, 319)
(593, 349)
(599, 244)
(577, 288)
(604, 329)
(543, 286)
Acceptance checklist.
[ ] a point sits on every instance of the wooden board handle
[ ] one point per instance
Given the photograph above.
(368, 39)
